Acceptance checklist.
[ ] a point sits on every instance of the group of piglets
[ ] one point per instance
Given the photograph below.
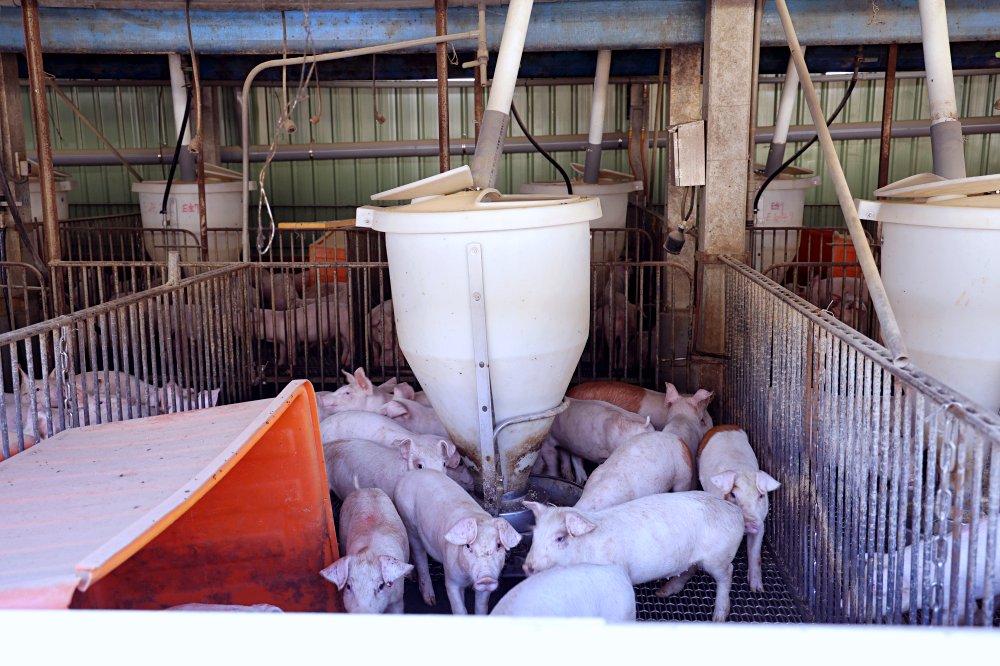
(407, 495)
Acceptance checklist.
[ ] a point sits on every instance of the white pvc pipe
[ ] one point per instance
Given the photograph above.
(599, 101)
(946, 132)
(509, 58)
(783, 119)
(789, 95)
(178, 90)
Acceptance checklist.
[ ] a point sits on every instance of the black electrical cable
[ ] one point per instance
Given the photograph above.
(836, 112)
(177, 154)
(531, 139)
(16, 214)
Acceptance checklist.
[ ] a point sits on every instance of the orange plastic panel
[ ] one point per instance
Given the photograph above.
(329, 248)
(260, 535)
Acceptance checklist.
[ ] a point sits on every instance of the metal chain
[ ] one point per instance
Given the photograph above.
(64, 358)
(942, 505)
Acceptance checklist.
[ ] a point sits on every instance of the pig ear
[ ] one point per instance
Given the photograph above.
(452, 458)
(393, 409)
(536, 508)
(404, 391)
(393, 569)
(672, 395)
(350, 377)
(388, 385)
(336, 573)
(508, 535)
(724, 481)
(405, 448)
(766, 483)
(577, 525)
(703, 398)
(462, 532)
(363, 382)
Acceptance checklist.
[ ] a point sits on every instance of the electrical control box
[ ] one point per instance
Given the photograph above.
(687, 152)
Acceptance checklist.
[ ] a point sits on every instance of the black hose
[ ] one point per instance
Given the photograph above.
(18, 222)
(177, 154)
(531, 139)
(798, 153)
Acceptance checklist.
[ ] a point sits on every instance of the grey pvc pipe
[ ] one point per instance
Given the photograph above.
(323, 57)
(876, 289)
(598, 104)
(947, 148)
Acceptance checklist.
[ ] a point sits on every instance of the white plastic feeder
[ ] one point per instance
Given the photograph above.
(527, 261)
(612, 189)
(941, 268)
(781, 205)
(223, 201)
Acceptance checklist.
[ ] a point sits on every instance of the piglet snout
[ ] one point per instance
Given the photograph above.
(486, 584)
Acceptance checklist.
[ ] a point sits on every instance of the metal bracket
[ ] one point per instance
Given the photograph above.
(490, 463)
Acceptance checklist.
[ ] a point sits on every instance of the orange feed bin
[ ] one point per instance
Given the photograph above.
(331, 247)
(228, 505)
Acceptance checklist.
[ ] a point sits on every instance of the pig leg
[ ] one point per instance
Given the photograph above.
(457, 598)
(482, 602)
(723, 575)
(565, 465)
(423, 571)
(579, 473)
(754, 575)
(675, 584)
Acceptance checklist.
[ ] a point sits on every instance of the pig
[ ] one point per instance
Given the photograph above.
(557, 462)
(613, 321)
(413, 416)
(377, 552)
(647, 464)
(653, 537)
(593, 429)
(381, 429)
(256, 608)
(443, 521)
(385, 348)
(727, 468)
(846, 298)
(311, 321)
(362, 463)
(358, 394)
(580, 590)
(406, 392)
(632, 398)
(281, 291)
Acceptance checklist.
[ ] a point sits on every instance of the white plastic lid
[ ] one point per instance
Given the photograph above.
(602, 187)
(484, 210)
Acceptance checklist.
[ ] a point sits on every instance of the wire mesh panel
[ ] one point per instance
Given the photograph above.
(888, 509)
(170, 348)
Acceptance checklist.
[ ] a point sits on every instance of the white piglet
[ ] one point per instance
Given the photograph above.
(358, 394)
(378, 428)
(658, 536)
(593, 429)
(412, 415)
(727, 468)
(377, 553)
(371, 465)
(652, 462)
(443, 521)
(580, 590)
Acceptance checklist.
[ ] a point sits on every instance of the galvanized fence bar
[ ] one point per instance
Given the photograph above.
(107, 362)
(888, 510)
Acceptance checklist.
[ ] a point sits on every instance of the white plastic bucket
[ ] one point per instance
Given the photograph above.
(781, 205)
(613, 194)
(941, 269)
(223, 200)
(536, 272)
(63, 188)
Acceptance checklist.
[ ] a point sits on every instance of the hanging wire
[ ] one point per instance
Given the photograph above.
(306, 74)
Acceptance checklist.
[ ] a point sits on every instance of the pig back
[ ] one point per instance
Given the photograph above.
(581, 590)
(369, 522)
(374, 466)
(430, 503)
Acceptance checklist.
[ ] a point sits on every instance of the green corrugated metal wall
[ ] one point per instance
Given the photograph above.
(142, 117)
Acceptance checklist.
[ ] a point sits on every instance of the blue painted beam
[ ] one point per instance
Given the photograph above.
(568, 25)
